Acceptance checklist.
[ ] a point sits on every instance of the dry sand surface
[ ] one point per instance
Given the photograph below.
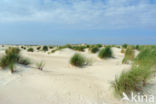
(59, 82)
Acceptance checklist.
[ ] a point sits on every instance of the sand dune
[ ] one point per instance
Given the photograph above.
(61, 83)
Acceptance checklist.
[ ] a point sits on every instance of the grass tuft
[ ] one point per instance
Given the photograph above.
(40, 65)
(105, 53)
(78, 60)
(129, 56)
(11, 58)
(30, 50)
(131, 81)
(45, 48)
(143, 68)
(125, 45)
(39, 47)
(94, 49)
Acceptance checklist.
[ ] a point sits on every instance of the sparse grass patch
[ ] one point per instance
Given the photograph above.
(129, 56)
(78, 48)
(105, 53)
(53, 51)
(24, 61)
(78, 60)
(40, 65)
(123, 50)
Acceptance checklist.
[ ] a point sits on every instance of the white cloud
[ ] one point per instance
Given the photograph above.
(101, 14)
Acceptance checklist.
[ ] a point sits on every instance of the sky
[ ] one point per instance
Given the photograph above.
(77, 21)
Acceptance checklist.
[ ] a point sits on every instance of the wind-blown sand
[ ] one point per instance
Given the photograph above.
(61, 83)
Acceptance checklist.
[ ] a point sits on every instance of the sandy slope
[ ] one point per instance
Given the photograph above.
(61, 83)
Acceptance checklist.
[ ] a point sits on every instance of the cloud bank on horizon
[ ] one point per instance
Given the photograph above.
(88, 14)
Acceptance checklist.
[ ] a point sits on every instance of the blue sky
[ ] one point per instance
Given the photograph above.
(77, 21)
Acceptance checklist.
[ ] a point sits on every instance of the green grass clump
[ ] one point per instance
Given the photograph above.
(30, 50)
(94, 49)
(125, 45)
(143, 68)
(131, 81)
(45, 48)
(78, 60)
(11, 58)
(51, 47)
(105, 53)
(39, 47)
(137, 47)
(146, 57)
(53, 51)
(129, 55)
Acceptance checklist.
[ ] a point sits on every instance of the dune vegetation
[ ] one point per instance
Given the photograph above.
(105, 53)
(23, 47)
(94, 49)
(123, 50)
(40, 65)
(38, 48)
(129, 55)
(30, 50)
(125, 45)
(12, 56)
(45, 48)
(78, 60)
(142, 70)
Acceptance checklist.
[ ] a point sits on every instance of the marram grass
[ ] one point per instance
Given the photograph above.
(105, 53)
(136, 78)
(129, 56)
(11, 57)
(78, 60)
(94, 49)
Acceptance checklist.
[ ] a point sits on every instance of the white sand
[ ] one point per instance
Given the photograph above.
(61, 83)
